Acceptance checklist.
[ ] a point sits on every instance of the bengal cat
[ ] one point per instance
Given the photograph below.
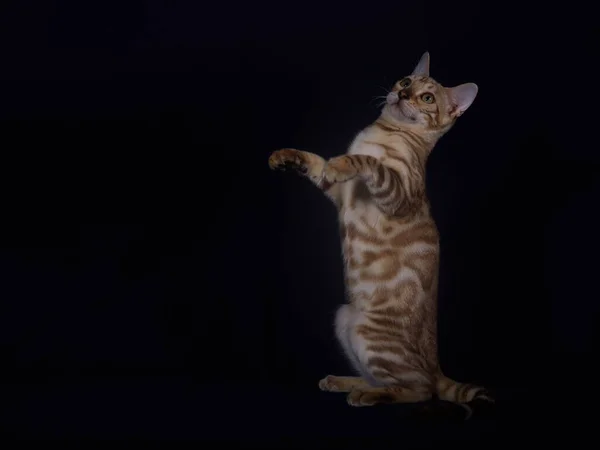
(390, 244)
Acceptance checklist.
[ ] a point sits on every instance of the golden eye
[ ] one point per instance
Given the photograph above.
(405, 82)
(428, 98)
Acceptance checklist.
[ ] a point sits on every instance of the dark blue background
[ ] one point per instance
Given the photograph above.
(158, 281)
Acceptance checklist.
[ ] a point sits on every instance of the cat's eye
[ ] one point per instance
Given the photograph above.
(405, 83)
(427, 98)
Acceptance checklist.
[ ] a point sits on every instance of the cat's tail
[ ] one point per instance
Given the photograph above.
(460, 393)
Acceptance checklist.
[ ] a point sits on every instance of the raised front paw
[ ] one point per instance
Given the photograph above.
(340, 169)
(288, 158)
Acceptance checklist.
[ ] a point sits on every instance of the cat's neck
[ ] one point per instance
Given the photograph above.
(415, 138)
(431, 137)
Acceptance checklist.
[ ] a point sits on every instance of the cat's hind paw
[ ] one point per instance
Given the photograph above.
(331, 383)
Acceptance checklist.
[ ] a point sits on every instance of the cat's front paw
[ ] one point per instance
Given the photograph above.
(288, 158)
(340, 169)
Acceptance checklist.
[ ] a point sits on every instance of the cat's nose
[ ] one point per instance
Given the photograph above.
(404, 94)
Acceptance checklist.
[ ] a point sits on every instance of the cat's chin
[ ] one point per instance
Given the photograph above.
(400, 114)
(407, 112)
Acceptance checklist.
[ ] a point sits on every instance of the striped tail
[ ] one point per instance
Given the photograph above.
(460, 393)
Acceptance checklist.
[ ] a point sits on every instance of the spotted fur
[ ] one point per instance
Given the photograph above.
(390, 243)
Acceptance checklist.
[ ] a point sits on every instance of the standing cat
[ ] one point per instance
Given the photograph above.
(390, 244)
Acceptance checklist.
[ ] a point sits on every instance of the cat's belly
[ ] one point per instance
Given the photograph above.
(388, 260)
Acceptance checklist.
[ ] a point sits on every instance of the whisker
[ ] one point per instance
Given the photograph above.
(377, 97)
(382, 97)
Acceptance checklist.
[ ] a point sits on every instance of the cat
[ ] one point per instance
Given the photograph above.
(388, 327)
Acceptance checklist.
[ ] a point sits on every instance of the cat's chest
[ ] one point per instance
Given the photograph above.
(362, 147)
(355, 195)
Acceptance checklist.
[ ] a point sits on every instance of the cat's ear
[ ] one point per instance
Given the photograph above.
(461, 97)
(422, 68)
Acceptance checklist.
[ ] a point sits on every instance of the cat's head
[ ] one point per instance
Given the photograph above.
(419, 102)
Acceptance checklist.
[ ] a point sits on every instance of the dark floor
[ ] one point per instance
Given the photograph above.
(179, 408)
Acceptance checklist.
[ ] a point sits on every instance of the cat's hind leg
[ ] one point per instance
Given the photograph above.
(368, 396)
(394, 373)
(344, 322)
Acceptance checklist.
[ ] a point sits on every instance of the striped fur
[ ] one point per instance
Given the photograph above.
(390, 245)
